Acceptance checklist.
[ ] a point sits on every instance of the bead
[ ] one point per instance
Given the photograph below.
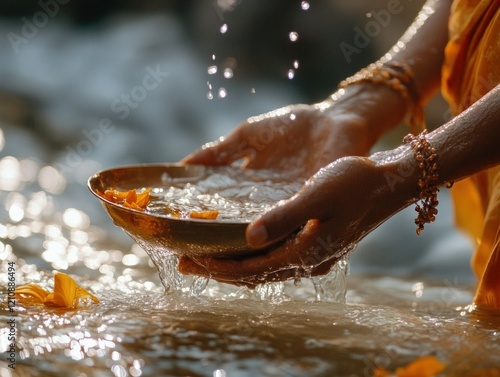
(426, 157)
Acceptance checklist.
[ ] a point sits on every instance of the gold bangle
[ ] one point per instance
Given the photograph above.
(399, 77)
(426, 157)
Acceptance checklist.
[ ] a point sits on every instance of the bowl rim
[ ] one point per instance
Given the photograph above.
(99, 173)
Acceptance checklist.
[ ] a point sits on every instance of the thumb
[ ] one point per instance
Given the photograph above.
(286, 218)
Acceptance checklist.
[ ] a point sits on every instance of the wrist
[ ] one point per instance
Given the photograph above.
(378, 108)
(400, 172)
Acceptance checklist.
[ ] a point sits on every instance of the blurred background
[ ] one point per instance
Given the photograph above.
(91, 85)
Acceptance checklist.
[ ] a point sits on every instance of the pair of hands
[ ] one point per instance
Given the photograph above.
(343, 198)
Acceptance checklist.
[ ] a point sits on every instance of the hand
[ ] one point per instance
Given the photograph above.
(336, 208)
(295, 139)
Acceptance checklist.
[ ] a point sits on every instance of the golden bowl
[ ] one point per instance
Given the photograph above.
(181, 236)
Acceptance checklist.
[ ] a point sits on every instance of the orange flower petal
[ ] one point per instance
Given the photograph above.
(381, 372)
(427, 366)
(143, 198)
(129, 199)
(210, 215)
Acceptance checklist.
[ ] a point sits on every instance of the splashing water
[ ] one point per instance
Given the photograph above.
(333, 286)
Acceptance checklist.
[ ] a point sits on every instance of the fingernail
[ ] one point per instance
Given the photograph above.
(257, 235)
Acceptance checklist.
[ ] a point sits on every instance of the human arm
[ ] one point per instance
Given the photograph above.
(350, 197)
(347, 123)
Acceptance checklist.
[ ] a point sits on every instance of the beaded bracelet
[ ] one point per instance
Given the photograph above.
(399, 77)
(426, 157)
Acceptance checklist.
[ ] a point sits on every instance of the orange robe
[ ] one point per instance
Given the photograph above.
(471, 69)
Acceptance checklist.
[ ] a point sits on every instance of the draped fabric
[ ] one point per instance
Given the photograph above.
(471, 69)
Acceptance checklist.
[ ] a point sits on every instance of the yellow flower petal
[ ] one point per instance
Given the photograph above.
(82, 293)
(64, 292)
(67, 294)
(31, 294)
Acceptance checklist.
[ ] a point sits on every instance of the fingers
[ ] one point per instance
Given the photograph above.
(287, 217)
(278, 264)
(224, 151)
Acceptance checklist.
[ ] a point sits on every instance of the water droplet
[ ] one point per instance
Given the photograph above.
(212, 70)
(228, 73)
(209, 94)
(295, 64)
(291, 74)
(223, 28)
(222, 93)
(293, 36)
(213, 56)
(305, 5)
(252, 90)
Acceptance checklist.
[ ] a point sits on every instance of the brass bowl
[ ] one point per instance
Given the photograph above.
(189, 237)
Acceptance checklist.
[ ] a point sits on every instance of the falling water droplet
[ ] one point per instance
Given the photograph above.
(223, 28)
(252, 90)
(305, 5)
(213, 56)
(295, 64)
(291, 74)
(209, 94)
(222, 93)
(212, 70)
(293, 36)
(228, 73)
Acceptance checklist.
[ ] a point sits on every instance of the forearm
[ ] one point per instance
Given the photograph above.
(469, 143)
(423, 46)
(466, 145)
(422, 49)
